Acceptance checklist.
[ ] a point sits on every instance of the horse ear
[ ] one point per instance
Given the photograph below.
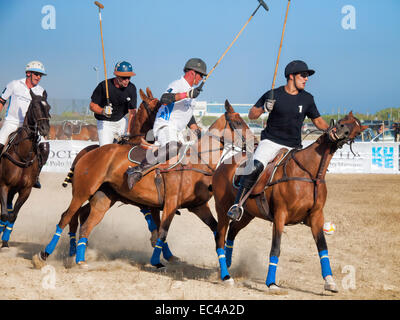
(228, 107)
(44, 95)
(149, 93)
(142, 95)
(351, 113)
(32, 94)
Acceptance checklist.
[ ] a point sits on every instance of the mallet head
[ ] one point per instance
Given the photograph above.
(99, 5)
(263, 4)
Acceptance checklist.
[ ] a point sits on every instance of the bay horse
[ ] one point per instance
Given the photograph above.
(296, 194)
(20, 162)
(143, 123)
(71, 131)
(187, 185)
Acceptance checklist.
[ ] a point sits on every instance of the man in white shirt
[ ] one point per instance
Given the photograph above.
(17, 99)
(173, 116)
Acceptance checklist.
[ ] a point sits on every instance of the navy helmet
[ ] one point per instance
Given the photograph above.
(297, 66)
(124, 69)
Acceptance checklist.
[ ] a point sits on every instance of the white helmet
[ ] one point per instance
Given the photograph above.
(35, 66)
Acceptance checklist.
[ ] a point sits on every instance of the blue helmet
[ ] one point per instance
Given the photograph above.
(124, 69)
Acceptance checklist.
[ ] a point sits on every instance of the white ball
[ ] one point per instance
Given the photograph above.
(329, 228)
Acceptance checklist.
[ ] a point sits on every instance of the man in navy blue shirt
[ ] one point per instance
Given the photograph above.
(288, 109)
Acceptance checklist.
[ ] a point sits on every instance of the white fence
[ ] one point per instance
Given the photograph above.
(371, 157)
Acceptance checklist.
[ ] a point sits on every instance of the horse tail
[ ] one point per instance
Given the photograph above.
(68, 178)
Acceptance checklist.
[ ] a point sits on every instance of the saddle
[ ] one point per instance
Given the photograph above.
(265, 177)
(70, 128)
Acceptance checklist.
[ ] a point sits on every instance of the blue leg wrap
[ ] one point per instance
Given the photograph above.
(7, 231)
(10, 207)
(2, 225)
(325, 264)
(222, 263)
(72, 244)
(53, 243)
(150, 222)
(228, 252)
(273, 265)
(80, 250)
(166, 252)
(155, 258)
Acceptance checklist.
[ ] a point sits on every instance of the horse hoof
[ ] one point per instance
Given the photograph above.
(83, 265)
(159, 267)
(174, 260)
(274, 287)
(229, 282)
(153, 238)
(330, 284)
(38, 262)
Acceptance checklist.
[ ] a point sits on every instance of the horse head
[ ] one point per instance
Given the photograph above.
(37, 117)
(146, 113)
(345, 130)
(234, 129)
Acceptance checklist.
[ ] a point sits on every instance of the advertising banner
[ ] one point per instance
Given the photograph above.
(63, 153)
(368, 157)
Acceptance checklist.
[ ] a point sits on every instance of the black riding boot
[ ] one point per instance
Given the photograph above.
(246, 183)
(43, 155)
(163, 154)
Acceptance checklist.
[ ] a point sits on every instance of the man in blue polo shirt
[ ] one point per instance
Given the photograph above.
(287, 113)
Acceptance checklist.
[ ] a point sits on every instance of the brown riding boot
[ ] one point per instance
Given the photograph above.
(43, 155)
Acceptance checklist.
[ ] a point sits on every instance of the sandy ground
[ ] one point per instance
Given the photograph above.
(364, 252)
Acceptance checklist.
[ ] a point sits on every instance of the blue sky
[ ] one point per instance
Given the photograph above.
(355, 69)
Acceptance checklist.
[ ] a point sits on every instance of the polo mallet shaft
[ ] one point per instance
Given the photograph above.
(261, 3)
(271, 96)
(102, 46)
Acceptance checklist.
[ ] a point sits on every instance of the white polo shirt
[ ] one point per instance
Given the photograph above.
(19, 99)
(177, 114)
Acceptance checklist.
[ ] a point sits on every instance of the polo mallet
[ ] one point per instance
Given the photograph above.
(261, 3)
(102, 46)
(271, 95)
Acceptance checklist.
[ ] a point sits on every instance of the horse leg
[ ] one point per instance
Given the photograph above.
(39, 259)
(170, 208)
(317, 222)
(234, 228)
(4, 210)
(149, 214)
(222, 227)
(13, 213)
(278, 225)
(99, 204)
(79, 217)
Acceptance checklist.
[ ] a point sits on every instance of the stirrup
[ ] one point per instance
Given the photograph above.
(235, 212)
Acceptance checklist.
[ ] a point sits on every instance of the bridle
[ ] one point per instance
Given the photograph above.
(32, 134)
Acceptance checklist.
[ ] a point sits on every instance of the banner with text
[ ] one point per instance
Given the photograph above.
(368, 157)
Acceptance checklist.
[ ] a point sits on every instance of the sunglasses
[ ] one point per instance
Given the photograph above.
(303, 74)
(124, 78)
(38, 74)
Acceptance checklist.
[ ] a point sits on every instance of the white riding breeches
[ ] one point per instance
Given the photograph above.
(108, 130)
(8, 128)
(167, 134)
(267, 150)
